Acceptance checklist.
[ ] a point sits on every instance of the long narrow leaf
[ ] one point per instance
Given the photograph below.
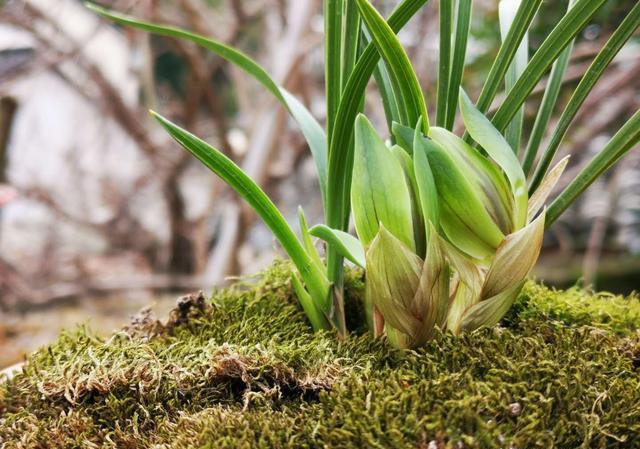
(595, 71)
(508, 9)
(563, 33)
(226, 169)
(625, 139)
(387, 95)
(461, 33)
(549, 101)
(405, 82)
(311, 129)
(351, 41)
(521, 23)
(444, 72)
(333, 14)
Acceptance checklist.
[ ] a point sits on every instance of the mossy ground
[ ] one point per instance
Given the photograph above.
(245, 371)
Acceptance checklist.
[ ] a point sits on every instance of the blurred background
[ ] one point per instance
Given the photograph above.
(102, 214)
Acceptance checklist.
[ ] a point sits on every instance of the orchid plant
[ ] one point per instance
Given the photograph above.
(448, 226)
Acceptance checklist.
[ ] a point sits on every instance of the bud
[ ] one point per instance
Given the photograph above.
(485, 288)
(411, 294)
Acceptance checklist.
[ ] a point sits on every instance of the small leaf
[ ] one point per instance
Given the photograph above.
(347, 245)
(317, 319)
(314, 278)
(514, 259)
(404, 136)
(394, 273)
(483, 132)
(379, 192)
(306, 240)
(537, 200)
(490, 311)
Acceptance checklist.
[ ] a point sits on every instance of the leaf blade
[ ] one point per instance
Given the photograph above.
(595, 71)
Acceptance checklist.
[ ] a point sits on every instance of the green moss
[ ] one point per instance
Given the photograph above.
(245, 371)
(578, 307)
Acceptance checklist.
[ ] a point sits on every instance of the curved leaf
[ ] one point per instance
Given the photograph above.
(521, 23)
(514, 259)
(311, 129)
(403, 78)
(625, 139)
(563, 33)
(483, 132)
(347, 245)
(315, 280)
(595, 71)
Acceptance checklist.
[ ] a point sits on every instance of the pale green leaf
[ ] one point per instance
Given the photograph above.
(483, 132)
(347, 245)
(514, 259)
(379, 192)
(537, 200)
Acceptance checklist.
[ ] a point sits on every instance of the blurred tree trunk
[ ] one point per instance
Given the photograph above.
(8, 107)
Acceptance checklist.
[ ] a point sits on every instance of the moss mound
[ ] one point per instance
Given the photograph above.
(245, 371)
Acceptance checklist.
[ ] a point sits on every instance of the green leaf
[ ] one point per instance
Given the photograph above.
(419, 230)
(507, 11)
(595, 71)
(549, 101)
(310, 128)
(317, 319)
(333, 37)
(563, 33)
(403, 136)
(461, 34)
(483, 132)
(426, 184)
(315, 280)
(444, 60)
(625, 139)
(307, 241)
(463, 216)
(405, 82)
(347, 245)
(521, 23)
(379, 193)
(486, 178)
